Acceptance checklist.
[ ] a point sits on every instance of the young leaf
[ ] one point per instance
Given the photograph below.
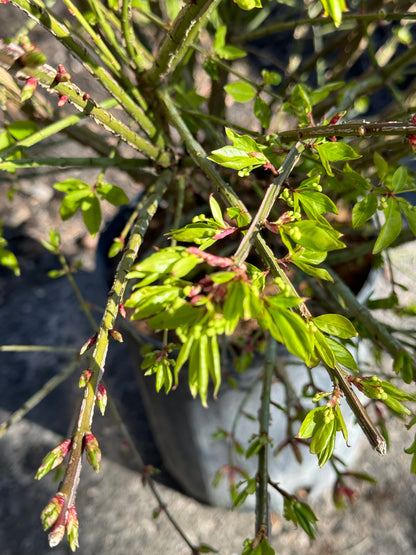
(216, 211)
(113, 194)
(241, 91)
(399, 180)
(335, 152)
(262, 112)
(364, 210)
(91, 213)
(391, 228)
(334, 8)
(335, 324)
(409, 212)
(248, 4)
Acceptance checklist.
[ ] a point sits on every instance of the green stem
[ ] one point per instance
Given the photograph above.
(43, 392)
(262, 495)
(182, 33)
(103, 52)
(116, 162)
(97, 362)
(129, 36)
(46, 76)
(36, 349)
(64, 35)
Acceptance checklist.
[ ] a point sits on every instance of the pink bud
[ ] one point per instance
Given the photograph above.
(29, 88)
(101, 398)
(86, 96)
(84, 378)
(62, 100)
(122, 310)
(62, 76)
(88, 344)
(412, 140)
(92, 450)
(116, 335)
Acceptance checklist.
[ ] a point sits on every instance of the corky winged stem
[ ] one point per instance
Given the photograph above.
(71, 479)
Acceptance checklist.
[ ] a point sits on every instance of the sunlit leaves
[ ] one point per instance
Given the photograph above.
(334, 9)
(245, 154)
(375, 388)
(322, 424)
(241, 91)
(227, 52)
(80, 196)
(248, 4)
(7, 258)
(391, 227)
(364, 210)
(335, 324)
(335, 152)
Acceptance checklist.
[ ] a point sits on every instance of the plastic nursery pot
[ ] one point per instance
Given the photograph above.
(184, 430)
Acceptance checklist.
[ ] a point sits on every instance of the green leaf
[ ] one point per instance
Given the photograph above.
(335, 324)
(324, 349)
(311, 235)
(318, 95)
(364, 210)
(91, 213)
(334, 8)
(9, 260)
(381, 165)
(236, 159)
(403, 365)
(216, 211)
(320, 273)
(22, 129)
(262, 112)
(112, 194)
(73, 201)
(271, 77)
(316, 203)
(409, 212)
(70, 185)
(399, 180)
(342, 354)
(241, 91)
(335, 152)
(224, 51)
(391, 228)
(296, 335)
(248, 4)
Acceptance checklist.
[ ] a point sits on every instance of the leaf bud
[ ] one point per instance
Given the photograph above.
(50, 513)
(92, 450)
(101, 398)
(53, 458)
(72, 526)
(116, 335)
(84, 378)
(28, 89)
(62, 100)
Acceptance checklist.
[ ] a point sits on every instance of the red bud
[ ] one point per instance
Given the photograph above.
(116, 335)
(62, 100)
(92, 450)
(101, 398)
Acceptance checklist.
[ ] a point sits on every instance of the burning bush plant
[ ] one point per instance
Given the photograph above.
(278, 134)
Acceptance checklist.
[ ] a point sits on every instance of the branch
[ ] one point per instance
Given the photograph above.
(46, 76)
(182, 33)
(71, 479)
(349, 129)
(262, 496)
